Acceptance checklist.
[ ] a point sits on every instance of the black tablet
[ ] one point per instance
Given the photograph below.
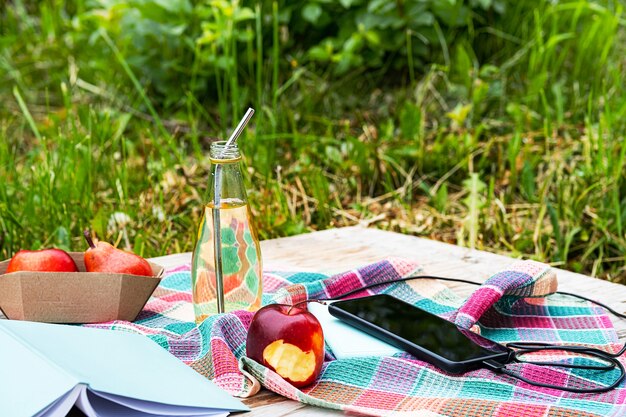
(420, 333)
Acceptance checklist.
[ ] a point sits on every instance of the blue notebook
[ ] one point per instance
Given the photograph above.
(48, 368)
(346, 341)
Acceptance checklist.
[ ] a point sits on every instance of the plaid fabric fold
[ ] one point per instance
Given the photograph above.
(509, 307)
(522, 279)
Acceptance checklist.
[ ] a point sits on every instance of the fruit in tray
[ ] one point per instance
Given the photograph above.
(104, 257)
(288, 340)
(46, 260)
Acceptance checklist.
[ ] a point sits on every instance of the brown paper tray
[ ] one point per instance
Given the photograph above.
(74, 297)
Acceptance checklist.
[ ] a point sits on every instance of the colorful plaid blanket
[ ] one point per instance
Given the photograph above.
(511, 306)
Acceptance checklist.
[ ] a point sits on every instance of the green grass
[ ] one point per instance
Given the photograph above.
(511, 140)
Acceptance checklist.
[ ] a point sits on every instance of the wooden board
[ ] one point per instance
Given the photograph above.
(339, 249)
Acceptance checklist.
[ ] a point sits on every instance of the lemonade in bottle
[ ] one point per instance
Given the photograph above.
(227, 254)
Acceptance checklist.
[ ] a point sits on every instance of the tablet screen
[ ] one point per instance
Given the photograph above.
(421, 328)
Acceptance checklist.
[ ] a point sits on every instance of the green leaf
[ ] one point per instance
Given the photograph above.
(62, 239)
(410, 121)
(459, 113)
(440, 200)
(348, 3)
(556, 231)
(180, 6)
(528, 182)
(423, 19)
(474, 202)
(99, 222)
(320, 53)
(353, 44)
(242, 14)
(312, 12)
(485, 4)
(380, 6)
(372, 37)
(334, 155)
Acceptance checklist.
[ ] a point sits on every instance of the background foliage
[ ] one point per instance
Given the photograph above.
(491, 124)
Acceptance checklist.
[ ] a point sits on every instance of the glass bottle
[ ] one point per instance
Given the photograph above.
(227, 254)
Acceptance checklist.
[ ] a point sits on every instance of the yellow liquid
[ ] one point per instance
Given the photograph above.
(241, 261)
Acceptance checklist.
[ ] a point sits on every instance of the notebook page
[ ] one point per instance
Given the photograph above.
(124, 364)
(28, 382)
(63, 405)
(149, 406)
(106, 408)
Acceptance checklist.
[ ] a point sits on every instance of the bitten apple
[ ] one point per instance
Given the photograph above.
(289, 340)
(46, 260)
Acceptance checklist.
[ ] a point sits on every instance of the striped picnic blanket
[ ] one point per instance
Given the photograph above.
(511, 306)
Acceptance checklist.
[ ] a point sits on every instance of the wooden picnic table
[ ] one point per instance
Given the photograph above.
(337, 250)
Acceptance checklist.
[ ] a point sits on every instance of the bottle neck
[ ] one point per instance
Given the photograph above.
(219, 153)
(226, 188)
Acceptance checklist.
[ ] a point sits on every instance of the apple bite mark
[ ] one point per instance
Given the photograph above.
(288, 340)
(290, 361)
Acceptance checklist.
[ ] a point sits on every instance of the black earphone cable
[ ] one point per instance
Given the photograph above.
(612, 311)
(501, 368)
(402, 279)
(531, 347)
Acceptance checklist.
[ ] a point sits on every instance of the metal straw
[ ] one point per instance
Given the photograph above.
(217, 230)
(239, 129)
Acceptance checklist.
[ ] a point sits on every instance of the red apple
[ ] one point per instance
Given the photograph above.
(288, 340)
(46, 260)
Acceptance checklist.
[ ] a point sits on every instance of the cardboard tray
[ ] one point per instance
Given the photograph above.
(74, 297)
